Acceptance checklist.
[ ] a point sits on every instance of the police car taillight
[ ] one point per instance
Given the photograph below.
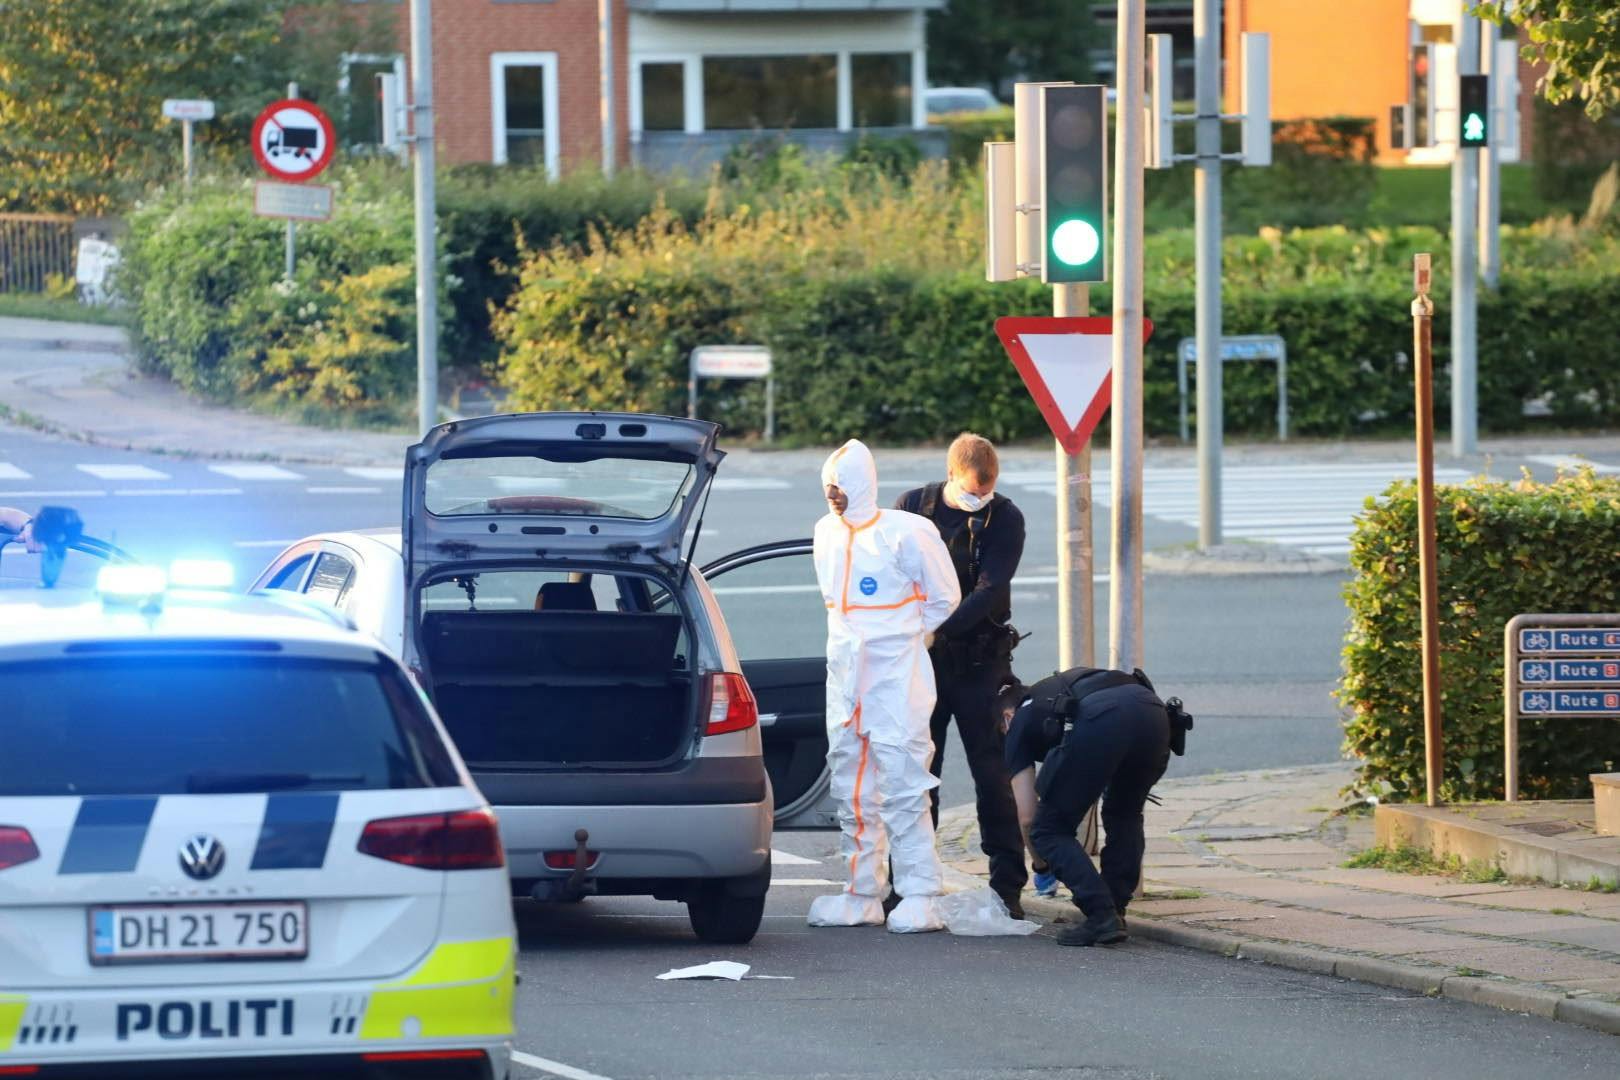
(16, 846)
(731, 704)
(465, 840)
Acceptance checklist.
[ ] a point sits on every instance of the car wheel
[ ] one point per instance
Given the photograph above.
(721, 919)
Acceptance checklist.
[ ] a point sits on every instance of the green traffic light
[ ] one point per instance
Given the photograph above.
(1473, 128)
(1076, 242)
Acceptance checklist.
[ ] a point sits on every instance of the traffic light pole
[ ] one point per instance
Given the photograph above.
(1490, 163)
(1207, 210)
(1464, 265)
(1077, 636)
(1125, 427)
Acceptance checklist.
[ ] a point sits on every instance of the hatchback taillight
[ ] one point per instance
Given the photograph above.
(464, 840)
(731, 704)
(16, 846)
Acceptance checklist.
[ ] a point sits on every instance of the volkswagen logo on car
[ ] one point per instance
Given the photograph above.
(202, 857)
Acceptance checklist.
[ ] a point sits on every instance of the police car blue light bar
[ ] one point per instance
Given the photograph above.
(201, 574)
(131, 582)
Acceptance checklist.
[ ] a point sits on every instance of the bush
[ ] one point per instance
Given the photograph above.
(209, 308)
(1504, 549)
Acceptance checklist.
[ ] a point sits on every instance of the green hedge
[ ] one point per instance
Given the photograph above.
(896, 353)
(1504, 549)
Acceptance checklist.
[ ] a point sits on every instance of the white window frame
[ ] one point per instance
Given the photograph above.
(547, 63)
(691, 90)
(846, 86)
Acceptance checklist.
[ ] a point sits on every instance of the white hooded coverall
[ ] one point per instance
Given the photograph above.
(888, 582)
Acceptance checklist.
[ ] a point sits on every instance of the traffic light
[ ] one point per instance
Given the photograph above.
(1074, 189)
(1474, 110)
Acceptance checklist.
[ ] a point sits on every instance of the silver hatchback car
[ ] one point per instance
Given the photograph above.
(541, 591)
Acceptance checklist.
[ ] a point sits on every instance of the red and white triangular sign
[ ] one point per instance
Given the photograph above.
(1067, 364)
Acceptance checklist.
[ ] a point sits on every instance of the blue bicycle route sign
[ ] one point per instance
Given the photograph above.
(1569, 672)
(1600, 639)
(1569, 702)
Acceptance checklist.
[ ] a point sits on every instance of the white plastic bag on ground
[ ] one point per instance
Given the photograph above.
(981, 913)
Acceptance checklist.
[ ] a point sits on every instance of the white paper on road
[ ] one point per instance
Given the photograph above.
(981, 913)
(718, 969)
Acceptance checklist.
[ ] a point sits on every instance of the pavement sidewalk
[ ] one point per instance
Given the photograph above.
(1250, 865)
(72, 379)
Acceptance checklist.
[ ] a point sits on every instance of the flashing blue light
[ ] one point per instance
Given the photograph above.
(201, 574)
(130, 583)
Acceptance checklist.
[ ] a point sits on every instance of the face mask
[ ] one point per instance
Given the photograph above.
(965, 500)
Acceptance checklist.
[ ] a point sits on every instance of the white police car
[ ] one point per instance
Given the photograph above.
(235, 841)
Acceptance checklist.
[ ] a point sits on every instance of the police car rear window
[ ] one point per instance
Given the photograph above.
(174, 725)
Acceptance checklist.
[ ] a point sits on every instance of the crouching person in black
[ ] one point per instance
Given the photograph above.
(1098, 733)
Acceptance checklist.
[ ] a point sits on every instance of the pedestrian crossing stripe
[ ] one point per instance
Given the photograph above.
(255, 471)
(123, 472)
(9, 471)
(382, 472)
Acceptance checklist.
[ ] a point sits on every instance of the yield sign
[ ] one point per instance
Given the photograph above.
(1067, 364)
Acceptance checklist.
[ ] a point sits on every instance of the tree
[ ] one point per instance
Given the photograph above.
(1578, 41)
(82, 84)
(995, 42)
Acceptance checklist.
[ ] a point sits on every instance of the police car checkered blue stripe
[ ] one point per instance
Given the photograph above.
(110, 831)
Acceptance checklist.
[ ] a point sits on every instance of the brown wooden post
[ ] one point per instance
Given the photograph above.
(1428, 569)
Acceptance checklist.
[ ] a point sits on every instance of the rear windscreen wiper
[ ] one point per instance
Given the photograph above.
(213, 783)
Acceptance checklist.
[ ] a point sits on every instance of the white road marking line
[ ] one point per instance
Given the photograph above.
(554, 1068)
(249, 471)
(1570, 462)
(787, 858)
(371, 472)
(86, 494)
(11, 472)
(178, 491)
(803, 881)
(749, 483)
(1030, 582)
(339, 489)
(122, 472)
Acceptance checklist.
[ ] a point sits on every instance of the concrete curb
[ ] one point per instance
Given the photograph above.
(1601, 1016)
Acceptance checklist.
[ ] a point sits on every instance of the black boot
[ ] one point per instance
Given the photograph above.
(1104, 929)
(1013, 898)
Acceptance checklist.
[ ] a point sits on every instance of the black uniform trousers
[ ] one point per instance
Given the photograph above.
(968, 692)
(1118, 749)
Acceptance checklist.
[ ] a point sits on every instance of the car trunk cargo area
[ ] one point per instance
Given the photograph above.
(552, 689)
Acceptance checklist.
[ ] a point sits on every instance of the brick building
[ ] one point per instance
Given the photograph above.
(521, 80)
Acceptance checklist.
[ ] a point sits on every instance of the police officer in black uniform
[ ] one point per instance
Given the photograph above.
(972, 650)
(1100, 733)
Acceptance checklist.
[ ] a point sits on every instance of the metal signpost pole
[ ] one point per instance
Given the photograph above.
(427, 292)
(1125, 554)
(1428, 570)
(1464, 268)
(292, 226)
(605, 30)
(1207, 209)
(185, 150)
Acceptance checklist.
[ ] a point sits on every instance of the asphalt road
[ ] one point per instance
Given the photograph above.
(1255, 658)
(869, 1004)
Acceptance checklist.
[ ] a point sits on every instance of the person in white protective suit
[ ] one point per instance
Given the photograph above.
(888, 582)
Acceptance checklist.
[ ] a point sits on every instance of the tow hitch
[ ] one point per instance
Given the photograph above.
(578, 884)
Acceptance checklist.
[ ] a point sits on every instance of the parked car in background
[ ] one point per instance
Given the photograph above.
(955, 100)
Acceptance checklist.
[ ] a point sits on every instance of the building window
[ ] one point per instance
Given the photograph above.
(880, 89)
(771, 92)
(663, 97)
(523, 101)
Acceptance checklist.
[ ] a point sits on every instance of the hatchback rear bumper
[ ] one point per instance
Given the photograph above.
(666, 843)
